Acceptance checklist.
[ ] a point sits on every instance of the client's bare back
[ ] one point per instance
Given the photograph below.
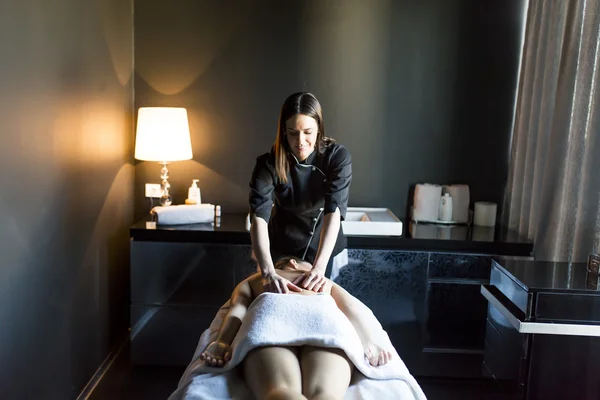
(255, 282)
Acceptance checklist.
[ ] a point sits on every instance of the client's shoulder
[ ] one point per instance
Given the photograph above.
(254, 281)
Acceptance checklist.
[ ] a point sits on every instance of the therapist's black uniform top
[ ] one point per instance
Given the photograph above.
(295, 210)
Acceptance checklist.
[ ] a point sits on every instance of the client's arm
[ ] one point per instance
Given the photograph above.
(368, 332)
(218, 353)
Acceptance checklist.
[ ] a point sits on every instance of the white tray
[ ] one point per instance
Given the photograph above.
(440, 222)
(365, 221)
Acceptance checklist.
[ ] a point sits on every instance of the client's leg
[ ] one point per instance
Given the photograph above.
(326, 373)
(273, 373)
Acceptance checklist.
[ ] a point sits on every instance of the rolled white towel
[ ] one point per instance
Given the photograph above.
(184, 214)
(460, 202)
(485, 213)
(426, 203)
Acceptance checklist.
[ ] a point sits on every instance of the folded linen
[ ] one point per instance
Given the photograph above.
(426, 202)
(274, 320)
(460, 202)
(184, 214)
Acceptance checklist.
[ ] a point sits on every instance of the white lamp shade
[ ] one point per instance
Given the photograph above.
(163, 134)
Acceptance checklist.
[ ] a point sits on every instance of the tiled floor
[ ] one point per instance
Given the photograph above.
(126, 382)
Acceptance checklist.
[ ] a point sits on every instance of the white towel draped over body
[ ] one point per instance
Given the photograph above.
(296, 320)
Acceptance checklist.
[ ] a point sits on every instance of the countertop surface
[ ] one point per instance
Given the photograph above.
(231, 229)
(546, 276)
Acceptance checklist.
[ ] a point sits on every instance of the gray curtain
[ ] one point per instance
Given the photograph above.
(553, 188)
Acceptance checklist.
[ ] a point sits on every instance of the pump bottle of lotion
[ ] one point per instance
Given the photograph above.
(194, 193)
(445, 213)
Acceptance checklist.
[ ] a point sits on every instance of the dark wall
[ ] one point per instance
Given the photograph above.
(66, 191)
(419, 91)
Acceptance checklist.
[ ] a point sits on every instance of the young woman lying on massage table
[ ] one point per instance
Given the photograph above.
(275, 372)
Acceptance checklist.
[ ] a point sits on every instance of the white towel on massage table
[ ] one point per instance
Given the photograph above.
(296, 320)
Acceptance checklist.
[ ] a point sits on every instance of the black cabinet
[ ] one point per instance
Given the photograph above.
(455, 318)
(456, 312)
(176, 290)
(429, 303)
(542, 331)
(453, 340)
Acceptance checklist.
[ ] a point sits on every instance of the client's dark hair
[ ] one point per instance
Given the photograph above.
(279, 264)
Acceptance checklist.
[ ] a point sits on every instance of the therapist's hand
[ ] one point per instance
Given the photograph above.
(278, 284)
(313, 280)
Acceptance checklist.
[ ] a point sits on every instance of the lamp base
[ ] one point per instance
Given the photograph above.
(166, 199)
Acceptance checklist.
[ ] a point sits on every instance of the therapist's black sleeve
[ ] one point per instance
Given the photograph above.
(339, 177)
(261, 189)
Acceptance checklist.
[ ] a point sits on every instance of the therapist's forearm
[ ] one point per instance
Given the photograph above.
(329, 234)
(259, 235)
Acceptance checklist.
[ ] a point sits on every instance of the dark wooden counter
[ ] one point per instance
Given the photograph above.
(231, 229)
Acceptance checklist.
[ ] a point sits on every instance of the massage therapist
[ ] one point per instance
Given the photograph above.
(298, 197)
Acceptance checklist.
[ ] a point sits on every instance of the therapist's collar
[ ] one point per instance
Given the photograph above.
(309, 160)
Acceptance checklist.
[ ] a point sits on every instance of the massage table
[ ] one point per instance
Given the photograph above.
(274, 319)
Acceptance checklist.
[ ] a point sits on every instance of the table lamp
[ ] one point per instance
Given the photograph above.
(163, 135)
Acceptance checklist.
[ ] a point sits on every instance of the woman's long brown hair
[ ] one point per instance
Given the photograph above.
(298, 103)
